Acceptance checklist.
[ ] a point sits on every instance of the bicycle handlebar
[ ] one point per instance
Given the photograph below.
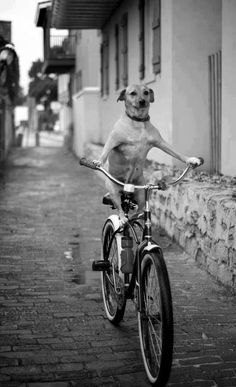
(90, 164)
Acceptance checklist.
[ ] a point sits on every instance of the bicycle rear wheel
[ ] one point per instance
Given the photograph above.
(112, 283)
(156, 320)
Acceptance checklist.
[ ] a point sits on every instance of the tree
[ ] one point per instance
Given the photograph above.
(9, 70)
(41, 87)
(21, 97)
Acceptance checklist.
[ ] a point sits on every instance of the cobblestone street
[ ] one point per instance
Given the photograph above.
(53, 330)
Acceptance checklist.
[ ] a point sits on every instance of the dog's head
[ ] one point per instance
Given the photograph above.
(137, 100)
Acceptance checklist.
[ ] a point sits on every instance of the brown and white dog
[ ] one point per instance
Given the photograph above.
(130, 141)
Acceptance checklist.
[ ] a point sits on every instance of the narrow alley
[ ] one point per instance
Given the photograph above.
(53, 330)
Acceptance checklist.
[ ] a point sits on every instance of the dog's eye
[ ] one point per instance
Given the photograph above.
(145, 92)
(133, 93)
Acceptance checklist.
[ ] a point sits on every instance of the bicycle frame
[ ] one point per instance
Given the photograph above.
(147, 242)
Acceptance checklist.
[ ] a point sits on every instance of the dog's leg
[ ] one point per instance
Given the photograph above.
(140, 201)
(114, 192)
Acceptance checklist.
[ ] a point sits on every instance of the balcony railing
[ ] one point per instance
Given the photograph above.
(61, 47)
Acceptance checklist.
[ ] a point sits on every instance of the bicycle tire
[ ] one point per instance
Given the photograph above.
(114, 304)
(156, 322)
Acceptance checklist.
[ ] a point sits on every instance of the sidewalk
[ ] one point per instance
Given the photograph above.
(46, 139)
(53, 330)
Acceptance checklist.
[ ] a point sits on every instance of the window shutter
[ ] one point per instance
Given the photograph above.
(156, 27)
(117, 49)
(102, 68)
(106, 65)
(104, 52)
(141, 39)
(124, 25)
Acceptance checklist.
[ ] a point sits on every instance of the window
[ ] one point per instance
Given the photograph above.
(124, 51)
(117, 52)
(149, 37)
(141, 39)
(156, 28)
(105, 66)
(78, 80)
(102, 69)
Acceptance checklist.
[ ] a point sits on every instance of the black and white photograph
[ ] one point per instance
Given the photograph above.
(117, 193)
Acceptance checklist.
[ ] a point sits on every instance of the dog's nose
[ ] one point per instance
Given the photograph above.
(142, 102)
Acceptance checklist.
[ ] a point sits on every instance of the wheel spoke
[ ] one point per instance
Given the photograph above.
(156, 342)
(152, 311)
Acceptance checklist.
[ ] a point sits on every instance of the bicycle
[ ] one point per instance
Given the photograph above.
(138, 273)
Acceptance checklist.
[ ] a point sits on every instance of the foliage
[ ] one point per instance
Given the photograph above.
(36, 69)
(9, 73)
(42, 87)
(21, 97)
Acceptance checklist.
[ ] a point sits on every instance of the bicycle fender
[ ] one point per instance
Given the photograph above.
(116, 223)
(152, 247)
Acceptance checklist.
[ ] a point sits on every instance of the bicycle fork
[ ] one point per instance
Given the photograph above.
(147, 240)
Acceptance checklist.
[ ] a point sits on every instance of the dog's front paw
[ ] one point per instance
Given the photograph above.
(97, 163)
(194, 161)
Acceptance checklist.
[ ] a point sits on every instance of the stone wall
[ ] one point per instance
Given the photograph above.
(199, 214)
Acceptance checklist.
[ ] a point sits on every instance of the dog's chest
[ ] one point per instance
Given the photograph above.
(136, 144)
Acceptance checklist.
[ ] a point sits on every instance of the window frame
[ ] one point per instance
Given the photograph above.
(142, 36)
(156, 36)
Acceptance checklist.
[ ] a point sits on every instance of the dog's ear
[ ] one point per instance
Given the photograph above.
(122, 95)
(151, 95)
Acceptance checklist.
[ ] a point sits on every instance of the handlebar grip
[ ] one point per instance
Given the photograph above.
(201, 160)
(87, 163)
(198, 165)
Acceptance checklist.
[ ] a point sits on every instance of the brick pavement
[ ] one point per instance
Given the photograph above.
(53, 332)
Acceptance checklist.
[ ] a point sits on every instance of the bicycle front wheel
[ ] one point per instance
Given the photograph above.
(155, 321)
(112, 283)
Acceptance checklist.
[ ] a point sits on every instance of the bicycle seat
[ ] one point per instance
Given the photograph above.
(107, 200)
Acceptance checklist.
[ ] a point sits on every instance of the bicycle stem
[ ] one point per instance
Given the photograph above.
(147, 216)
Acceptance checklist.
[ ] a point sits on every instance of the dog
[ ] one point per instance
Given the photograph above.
(130, 141)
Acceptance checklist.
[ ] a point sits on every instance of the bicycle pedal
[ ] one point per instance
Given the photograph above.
(101, 265)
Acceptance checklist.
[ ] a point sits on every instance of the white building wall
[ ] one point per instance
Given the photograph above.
(86, 99)
(88, 57)
(86, 118)
(65, 113)
(161, 109)
(66, 123)
(196, 35)
(228, 87)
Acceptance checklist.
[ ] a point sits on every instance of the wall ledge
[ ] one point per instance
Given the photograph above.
(86, 90)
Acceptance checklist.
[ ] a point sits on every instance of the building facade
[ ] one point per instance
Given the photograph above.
(183, 49)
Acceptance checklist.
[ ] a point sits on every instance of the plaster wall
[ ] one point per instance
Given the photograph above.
(228, 87)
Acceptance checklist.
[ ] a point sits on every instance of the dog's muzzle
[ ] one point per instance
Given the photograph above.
(142, 103)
